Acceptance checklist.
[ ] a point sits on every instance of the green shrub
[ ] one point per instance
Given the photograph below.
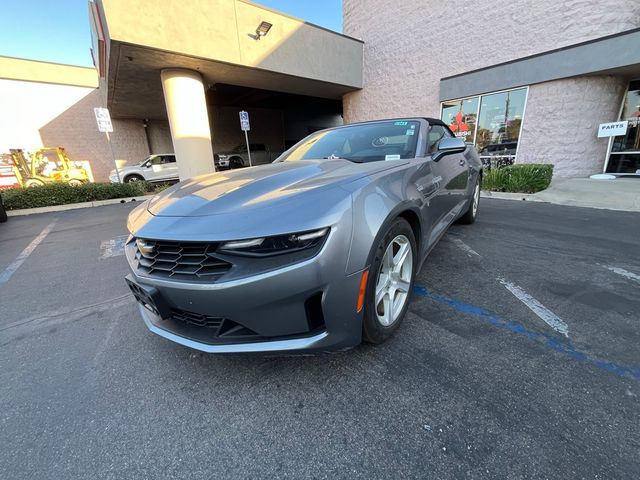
(521, 178)
(62, 193)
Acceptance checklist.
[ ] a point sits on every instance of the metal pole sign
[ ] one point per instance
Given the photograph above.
(245, 127)
(103, 119)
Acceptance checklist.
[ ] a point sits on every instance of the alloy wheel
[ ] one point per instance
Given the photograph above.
(476, 198)
(394, 280)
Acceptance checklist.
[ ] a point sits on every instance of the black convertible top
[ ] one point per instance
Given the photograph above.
(430, 120)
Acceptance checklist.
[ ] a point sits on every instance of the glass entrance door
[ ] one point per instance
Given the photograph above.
(624, 157)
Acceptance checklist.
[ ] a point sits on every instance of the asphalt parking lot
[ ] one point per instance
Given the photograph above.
(519, 358)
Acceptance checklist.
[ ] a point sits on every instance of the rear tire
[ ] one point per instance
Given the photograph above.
(74, 182)
(472, 212)
(389, 284)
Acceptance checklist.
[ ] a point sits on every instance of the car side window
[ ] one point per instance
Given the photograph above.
(156, 161)
(436, 133)
(169, 159)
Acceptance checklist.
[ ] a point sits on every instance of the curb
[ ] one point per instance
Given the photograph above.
(74, 206)
(528, 197)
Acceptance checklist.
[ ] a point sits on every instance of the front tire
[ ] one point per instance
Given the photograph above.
(133, 178)
(33, 182)
(390, 282)
(235, 162)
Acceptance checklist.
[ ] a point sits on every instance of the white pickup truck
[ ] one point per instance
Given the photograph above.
(238, 157)
(155, 168)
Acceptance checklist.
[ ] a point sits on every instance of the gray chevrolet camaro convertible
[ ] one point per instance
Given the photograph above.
(314, 252)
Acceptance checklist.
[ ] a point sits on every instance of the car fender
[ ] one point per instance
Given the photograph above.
(374, 209)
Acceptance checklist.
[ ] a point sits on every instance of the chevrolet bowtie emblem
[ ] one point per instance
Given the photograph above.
(144, 247)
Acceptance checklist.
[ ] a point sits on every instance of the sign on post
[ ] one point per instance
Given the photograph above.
(612, 129)
(245, 127)
(104, 125)
(244, 121)
(103, 119)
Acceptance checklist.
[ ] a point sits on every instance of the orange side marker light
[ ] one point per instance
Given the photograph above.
(363, 289)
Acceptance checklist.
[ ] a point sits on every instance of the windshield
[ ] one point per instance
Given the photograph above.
(369, 142)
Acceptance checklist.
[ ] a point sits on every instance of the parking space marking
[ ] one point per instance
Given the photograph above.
(11, 269)
(561, 346)
(465, 248)
(113, 247)
(546, 315)
(625, 273)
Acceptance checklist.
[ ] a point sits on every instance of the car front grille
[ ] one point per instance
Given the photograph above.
(180, 260)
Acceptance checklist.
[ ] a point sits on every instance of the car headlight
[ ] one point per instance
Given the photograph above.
(278, 245)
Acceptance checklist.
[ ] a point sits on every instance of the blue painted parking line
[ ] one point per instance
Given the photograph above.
(555, 343)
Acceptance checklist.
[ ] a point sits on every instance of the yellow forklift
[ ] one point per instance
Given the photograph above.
(46, 165)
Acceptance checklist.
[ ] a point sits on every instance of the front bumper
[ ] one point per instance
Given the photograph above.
(274, 305)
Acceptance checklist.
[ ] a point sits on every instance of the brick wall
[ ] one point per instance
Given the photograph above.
(40, 114)
(410, 46)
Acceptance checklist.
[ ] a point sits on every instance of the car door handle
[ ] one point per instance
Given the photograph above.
(463, 162)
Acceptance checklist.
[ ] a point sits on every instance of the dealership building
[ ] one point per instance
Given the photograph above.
(532, 86)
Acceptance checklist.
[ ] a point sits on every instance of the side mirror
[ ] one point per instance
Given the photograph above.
(449, 145)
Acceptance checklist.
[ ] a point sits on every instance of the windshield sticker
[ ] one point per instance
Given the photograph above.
(392, 157)
(411, 132)
(401, 124)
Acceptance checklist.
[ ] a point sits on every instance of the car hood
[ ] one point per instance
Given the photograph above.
(264, 186)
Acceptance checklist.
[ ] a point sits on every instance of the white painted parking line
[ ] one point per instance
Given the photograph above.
(625, 273)
(11, 269)
(546, 315)
(465, 248)
(113, 247)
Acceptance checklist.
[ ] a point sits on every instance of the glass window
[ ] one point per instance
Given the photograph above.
(499, 124)
(625, 150)
(460, 115)
(367, 142)
(492, 122)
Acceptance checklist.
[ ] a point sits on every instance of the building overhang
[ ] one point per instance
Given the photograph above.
(134, 41)
(613, 55)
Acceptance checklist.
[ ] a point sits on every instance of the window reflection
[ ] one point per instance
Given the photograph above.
(460, 115)
(494, 127)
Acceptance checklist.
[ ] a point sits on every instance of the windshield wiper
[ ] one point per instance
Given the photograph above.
(333, 157)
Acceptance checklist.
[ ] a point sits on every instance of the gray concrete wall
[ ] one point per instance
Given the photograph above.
(410, 46)
(159, 136)
(266, 127)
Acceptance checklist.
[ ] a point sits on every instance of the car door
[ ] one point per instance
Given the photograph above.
(170, 167)
(454, 170)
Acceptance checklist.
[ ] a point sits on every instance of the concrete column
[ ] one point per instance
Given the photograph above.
(188, 121)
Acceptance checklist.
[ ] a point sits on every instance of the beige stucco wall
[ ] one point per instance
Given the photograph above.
(561, 120)
(36, 114)
(219, 30)
(410, 46)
